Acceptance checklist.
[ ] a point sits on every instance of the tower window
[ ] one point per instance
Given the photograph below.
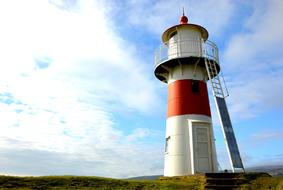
(195, 86)
(173, 34)
(167, 144)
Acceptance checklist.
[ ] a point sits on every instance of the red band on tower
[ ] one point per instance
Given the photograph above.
(188, 97)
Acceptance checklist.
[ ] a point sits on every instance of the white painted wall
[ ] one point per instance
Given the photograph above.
(187, 71)
(178, 158)
(185, 43)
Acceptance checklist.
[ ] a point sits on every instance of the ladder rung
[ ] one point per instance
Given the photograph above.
(216, 79)
(216, 83)
(217, 88)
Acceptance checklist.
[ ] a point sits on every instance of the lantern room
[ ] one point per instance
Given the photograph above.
(184, 41)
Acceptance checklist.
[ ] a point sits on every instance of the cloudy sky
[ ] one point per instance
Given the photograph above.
(78, 95)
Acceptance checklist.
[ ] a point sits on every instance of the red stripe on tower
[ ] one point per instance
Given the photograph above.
(188, 97)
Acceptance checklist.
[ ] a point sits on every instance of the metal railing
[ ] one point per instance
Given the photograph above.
(185, 48)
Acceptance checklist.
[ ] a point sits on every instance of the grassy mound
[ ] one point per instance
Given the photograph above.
(264, 183)
(195, 182)
(87, 183)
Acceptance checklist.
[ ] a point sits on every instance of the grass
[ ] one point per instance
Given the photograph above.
(195, 182)
(88, 183)
(264, 183)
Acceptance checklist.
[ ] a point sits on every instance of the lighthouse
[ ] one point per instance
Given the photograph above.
(185, 61)
(180, 62)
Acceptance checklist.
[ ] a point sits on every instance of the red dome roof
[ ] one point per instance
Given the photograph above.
(184, 20)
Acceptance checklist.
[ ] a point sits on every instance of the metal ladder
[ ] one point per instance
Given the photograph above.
(217, 83)
(215, 79)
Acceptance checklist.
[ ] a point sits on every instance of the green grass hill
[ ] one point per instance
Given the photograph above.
(195, 182)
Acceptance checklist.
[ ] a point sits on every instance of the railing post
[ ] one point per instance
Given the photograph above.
(160, 54)
(201, 47)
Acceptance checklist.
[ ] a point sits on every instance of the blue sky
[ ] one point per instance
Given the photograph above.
(78, 95)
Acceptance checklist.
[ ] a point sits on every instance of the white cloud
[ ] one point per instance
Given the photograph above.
(121, 161)
(65, 72)
(141, 134)
(252, 97)
(261, 39)
(215, 16)
(267, 135)
(253, 62)
(259, 145)
(159, 15)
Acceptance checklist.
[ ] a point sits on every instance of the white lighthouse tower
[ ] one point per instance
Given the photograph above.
(186, 61)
